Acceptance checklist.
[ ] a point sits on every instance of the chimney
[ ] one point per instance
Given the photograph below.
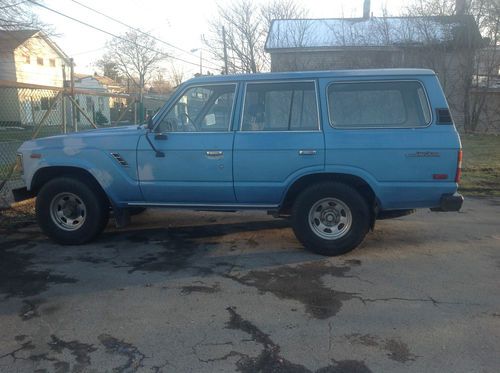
(460, 7)
(366, 9)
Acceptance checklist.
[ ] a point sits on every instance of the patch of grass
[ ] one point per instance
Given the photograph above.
(481, 165)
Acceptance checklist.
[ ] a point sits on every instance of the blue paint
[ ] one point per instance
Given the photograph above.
(257, 168)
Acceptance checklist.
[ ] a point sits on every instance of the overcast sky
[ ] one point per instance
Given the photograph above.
(179, 22)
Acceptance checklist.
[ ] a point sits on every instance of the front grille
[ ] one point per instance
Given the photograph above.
(120, 159)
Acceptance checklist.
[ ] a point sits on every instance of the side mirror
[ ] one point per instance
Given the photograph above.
(150, 123)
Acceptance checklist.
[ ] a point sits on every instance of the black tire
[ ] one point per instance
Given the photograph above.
(71, 211)
(332, 232)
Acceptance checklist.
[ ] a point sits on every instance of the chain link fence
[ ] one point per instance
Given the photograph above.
(29, 111)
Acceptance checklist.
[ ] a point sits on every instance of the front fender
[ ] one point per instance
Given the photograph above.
(113, 179)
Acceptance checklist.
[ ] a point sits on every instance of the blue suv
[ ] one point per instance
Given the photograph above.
(333, 151)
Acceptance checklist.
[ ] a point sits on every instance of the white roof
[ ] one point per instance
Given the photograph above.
(360, 32)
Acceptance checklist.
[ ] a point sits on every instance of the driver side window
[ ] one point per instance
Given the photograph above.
(205, 108)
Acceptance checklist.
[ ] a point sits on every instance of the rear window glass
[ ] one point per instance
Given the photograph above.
(280, 106)
(378, 104)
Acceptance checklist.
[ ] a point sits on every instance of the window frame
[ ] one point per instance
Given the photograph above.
(40, 61)
(316, 91)
(429, 107)
(177, 97)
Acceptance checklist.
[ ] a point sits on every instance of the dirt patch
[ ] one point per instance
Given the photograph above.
(19, 215)
(302, 283)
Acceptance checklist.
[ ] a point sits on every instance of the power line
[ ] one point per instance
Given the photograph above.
(108, 32)
(137, 30)
(13, 5)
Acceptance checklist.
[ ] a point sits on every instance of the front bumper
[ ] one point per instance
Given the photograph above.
(450, 202)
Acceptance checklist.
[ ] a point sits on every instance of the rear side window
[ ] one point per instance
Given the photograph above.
(378, 104)
(283, 106)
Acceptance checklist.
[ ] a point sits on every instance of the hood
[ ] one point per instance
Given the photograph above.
(101, 137)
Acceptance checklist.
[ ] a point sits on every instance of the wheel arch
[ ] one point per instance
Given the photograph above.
(45, 174)
(299, 185)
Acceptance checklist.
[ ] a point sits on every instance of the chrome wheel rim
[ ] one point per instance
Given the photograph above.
(68, 211)
(330, 218)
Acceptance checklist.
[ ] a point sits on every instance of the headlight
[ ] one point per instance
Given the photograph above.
(19, 163)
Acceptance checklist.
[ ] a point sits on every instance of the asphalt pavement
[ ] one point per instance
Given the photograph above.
(211, 292)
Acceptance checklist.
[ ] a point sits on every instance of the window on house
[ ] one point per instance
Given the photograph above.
(46, 103)
(27, 59)
(89, 103)
(52, 62)
(287, 106)
(378, 104)
(39, 61)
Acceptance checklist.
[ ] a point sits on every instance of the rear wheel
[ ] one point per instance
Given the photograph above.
(71, 211)
(330, 218)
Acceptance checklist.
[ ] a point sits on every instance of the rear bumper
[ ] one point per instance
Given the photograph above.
(450, 202)
(21, 194)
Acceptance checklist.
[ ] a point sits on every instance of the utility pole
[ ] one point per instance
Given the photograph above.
(225, 49)
(63, 100)
(72, 92)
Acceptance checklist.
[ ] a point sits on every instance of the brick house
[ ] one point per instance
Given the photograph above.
(446, 44)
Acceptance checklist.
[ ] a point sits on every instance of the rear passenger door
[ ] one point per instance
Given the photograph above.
(279, 138)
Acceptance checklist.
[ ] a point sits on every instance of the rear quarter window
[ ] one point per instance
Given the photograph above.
(378, 105)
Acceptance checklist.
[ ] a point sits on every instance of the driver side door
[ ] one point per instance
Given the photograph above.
(196, 139)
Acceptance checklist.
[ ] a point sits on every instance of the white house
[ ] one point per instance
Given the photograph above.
(103, 94)
(29, 57)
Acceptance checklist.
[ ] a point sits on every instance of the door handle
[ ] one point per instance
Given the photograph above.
(214, 153)
(307, 152)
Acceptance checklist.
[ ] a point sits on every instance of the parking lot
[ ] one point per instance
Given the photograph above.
(210, 292)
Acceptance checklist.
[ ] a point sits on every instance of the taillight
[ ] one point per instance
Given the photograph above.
(458, 175)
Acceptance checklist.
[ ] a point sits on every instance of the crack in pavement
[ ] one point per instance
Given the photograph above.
(25, 346)
(270, 360)
(428, 299)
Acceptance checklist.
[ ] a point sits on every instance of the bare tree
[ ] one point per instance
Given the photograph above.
(282, 9)
(461, 75)
(176, 75)
(246, 27)
(109, 69)
(18, 15)
(160, 85)
(136, 56)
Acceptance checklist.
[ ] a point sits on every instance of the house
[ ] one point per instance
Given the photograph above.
(29, 57)
(98, 94)
(446, 44)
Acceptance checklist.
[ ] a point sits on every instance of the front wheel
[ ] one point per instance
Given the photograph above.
(330, 218)
(71, 212)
